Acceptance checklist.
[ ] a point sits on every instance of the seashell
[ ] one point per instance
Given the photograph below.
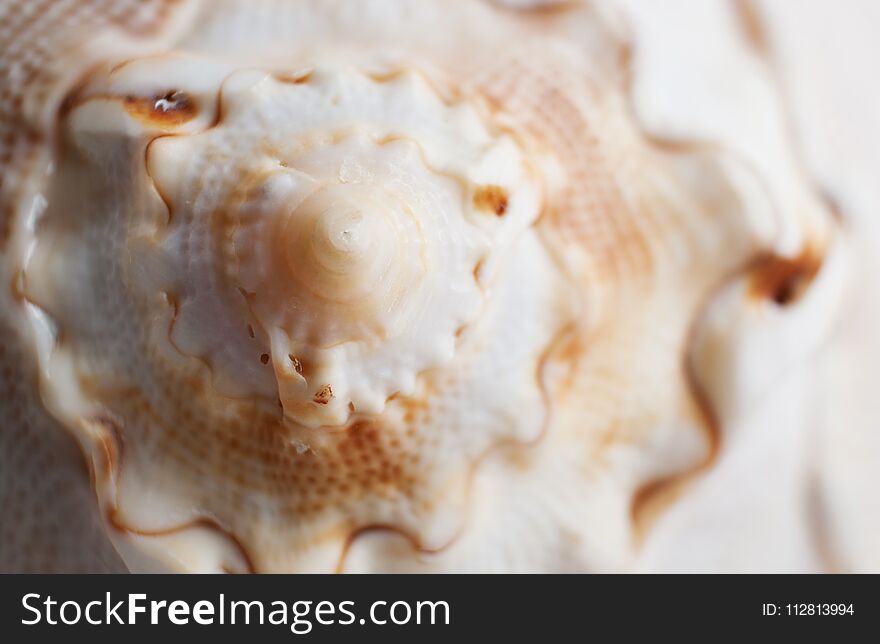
(392, 285)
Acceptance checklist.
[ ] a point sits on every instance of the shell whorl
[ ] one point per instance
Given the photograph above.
(342, 210)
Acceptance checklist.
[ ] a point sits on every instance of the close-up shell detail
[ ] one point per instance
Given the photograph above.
(392, 285)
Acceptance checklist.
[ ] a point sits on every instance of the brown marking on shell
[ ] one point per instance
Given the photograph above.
(478, 266)
(107, 433)
(16, 286)
(784, 279)
(173, 301)
(492, 199)
(652, 499)
(324, 395)
(297, 78)
(6, 220)
(541, 10)
(388, 76)
(751, 24)
(170, 109)
(388, 139)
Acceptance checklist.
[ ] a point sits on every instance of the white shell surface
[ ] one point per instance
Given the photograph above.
(419, 285)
